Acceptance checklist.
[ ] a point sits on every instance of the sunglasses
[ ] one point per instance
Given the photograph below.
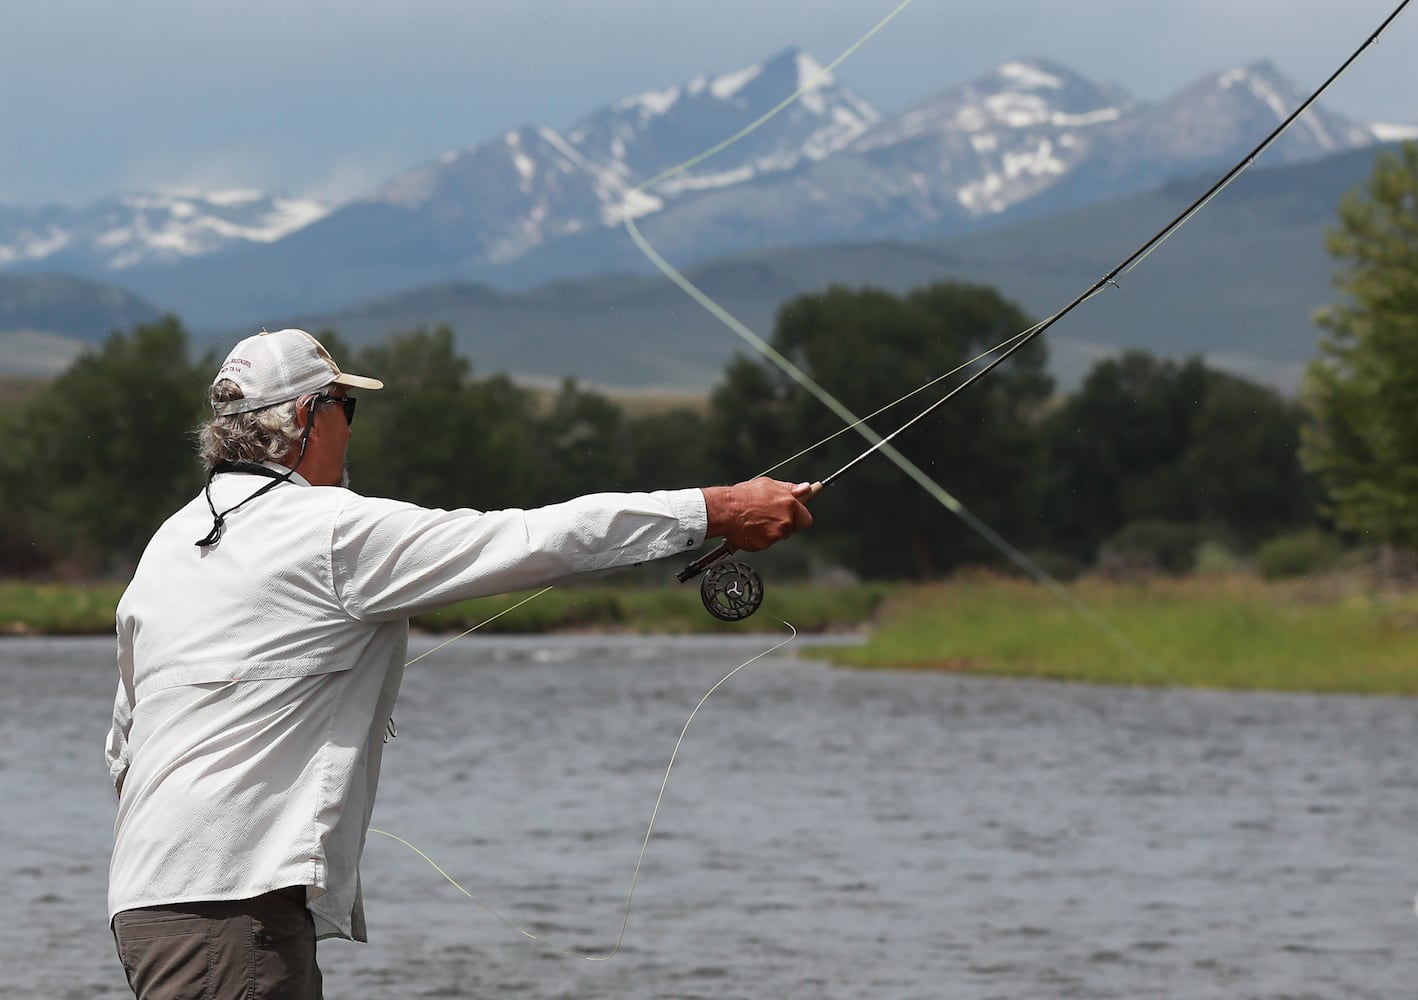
(348, 402)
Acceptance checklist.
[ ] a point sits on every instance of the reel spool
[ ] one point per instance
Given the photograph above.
(731, 591)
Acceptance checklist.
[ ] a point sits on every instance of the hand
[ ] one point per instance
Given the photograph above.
(752, 516)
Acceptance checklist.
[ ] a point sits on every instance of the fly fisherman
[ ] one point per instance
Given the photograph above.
(261, 644)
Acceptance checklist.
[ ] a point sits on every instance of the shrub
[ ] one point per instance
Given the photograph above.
(1149, 546)
(1298, 554)
(1215, 559)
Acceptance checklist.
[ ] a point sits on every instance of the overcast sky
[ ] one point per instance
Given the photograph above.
(328, 98)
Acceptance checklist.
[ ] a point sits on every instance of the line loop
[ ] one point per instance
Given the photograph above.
(644, 845)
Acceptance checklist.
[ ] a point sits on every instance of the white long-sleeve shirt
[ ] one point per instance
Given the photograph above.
(256, 676)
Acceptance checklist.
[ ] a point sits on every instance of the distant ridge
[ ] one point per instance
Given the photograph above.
(69, 306)
(47, 320)
(536, 204)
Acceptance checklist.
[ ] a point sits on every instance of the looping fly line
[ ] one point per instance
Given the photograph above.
(982, 367)
(644, 845)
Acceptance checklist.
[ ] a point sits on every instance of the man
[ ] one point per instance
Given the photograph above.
(261, 644)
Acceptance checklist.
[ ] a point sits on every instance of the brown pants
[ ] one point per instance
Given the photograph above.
(244, 949)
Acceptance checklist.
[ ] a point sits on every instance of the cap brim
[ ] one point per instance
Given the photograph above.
(357, 381)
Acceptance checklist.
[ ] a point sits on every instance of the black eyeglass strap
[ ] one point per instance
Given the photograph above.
(219, 520)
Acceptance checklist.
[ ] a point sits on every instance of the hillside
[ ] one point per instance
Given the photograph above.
(47, 319)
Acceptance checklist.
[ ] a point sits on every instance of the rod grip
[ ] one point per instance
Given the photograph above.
(725, 549)
(704, 562)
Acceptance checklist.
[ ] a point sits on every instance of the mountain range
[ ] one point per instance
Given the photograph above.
(1029, 141)
(1237, 285)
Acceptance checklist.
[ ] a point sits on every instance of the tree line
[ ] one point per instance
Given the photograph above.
(1145, 462)
(102, 454)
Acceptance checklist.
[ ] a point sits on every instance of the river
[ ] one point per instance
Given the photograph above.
(825, 833)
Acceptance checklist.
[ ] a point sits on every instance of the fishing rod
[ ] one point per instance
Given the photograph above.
(733, 590)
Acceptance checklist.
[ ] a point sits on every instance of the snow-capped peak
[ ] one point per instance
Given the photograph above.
(811, 73)
(650, 103)
(726, 86)
(1029, 76)
(1260, 92)
(1262, 85)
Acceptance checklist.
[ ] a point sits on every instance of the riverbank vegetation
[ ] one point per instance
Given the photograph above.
(1342, 632)
(28, 608)
(1334, 634)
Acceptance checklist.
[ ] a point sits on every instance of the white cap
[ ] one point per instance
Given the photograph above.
(273, 368)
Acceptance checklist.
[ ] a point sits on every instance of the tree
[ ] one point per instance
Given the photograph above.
(583, 443)
(1244, 463)
(436, 436)
(1112, 451)
(1361, 440)
(1177, 447)
(867, 347)
(667, 450)
(97, 459)
(749, 419)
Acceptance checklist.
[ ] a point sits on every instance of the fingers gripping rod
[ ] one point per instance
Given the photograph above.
(731, 590)
(725, 549)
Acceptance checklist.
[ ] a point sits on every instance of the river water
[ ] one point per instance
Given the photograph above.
(825, 833)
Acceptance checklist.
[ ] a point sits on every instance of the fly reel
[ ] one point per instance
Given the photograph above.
(731, 591)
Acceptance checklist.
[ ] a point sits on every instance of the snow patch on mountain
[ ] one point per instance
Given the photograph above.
(1028, 76)
(1393, 132)
(726, 86)
(115, 234)
(33, 244)
(650, 104)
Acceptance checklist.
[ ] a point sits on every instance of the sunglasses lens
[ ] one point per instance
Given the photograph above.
(347, 403)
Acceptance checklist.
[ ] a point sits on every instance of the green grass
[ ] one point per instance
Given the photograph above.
(673, 610)
(58, 608)
(88, 609)
(1233, 632)
(1333, 635)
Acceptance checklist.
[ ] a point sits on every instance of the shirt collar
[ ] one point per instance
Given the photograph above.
(295, 477)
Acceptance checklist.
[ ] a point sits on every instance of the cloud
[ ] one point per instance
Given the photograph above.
(314, 95)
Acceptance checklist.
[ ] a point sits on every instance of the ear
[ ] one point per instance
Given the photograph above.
(304, 411)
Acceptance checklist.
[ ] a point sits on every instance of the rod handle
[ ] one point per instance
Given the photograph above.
(725, 549)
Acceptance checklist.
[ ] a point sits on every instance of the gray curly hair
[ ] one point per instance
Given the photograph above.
(264, 435)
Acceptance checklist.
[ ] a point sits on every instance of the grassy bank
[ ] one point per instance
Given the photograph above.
(1331, 635)
(87, 609)
(1233, 632)
(661, 610)
(58, 608)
